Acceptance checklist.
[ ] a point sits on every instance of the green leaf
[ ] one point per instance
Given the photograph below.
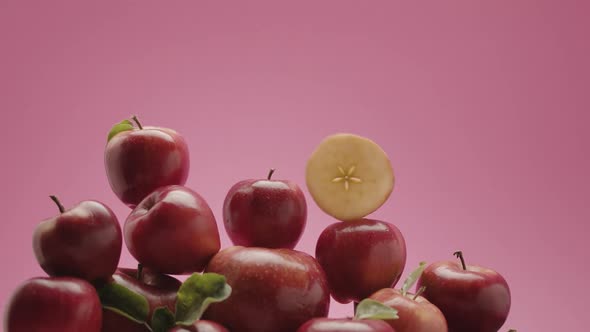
(162, 320)
(371, 309)
(124, 125)
(412, 278)
(124, 301)
(197, 293)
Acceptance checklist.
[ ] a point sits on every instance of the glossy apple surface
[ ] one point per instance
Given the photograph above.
(345, 325)
(84, 241)
(265, 213)
(474, 299)
(361, 257)
(416, 314)
(272, 289)
(172, 231)
(158, 289)
(53, 304)
(139, 161)
(200, 326)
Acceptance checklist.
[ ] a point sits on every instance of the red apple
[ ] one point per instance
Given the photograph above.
(345, 325)
(84, 241)
(360, 257)
(141, 160)
(416, 314)
(265, 213)
(172, 231)
(158, 289)
(61, 304)
(201, 326)
(272, 289)
(472, 298)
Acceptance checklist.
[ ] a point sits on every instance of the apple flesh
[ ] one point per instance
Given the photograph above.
(349, 176)
(62, 304)
(345, 325)
(272, 289)
(361, 257)
(416, 314)
(472, 298)
(265, 213)
(200, 326)
(172, 231)
(84, 241)
(141, 160)
(158, 289)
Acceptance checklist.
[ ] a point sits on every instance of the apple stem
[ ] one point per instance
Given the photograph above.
(58, 203)
(137, 122)
(419, 292)
(459, 254)
(270, 173)
(139, 272)
(148, 327)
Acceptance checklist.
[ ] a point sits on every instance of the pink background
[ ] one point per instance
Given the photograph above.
(483, 109)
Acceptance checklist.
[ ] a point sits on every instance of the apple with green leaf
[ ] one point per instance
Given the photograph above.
(158, 289)
(139, 160)
(368, 317)
(192, 299)
(416, 314)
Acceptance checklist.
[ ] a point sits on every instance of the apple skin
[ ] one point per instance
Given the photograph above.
(158, 289)
(200, 326)
(84, 241)
(415, 315)
(345, 325)
(140, 161)
(172, 231)
(272, 289)
(361, 257)
(476, 299)
(62, 304)
(265, 213)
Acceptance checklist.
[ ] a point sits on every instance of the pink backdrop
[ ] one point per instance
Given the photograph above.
(483, 109)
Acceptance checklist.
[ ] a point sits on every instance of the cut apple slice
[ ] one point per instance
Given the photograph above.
(349, 176)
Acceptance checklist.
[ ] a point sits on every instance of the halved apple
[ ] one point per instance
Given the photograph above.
(349, 176)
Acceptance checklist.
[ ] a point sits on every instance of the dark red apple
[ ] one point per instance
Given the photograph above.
(416, 314)
(361, 257)
(345, 325)
(158, 289)
(143, 159)
(61, 304)
(265, 213)
(472, 298)
(201, 326)
(272, 289)
(172, 231)
(84, 241)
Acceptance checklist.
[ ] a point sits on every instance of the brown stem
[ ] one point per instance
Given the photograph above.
(58, 203)
(270, 173)
(419, 292)
(140, 272)
(137, 122)
(459, 254)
